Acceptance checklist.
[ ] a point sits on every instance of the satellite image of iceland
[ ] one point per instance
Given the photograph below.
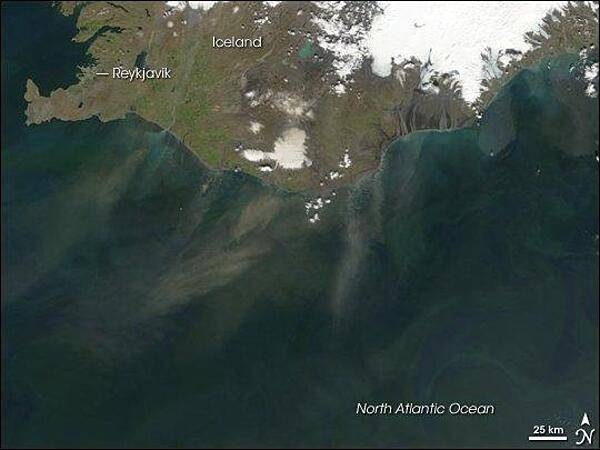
(300, 224)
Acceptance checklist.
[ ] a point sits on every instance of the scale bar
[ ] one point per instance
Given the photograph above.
(547, 438)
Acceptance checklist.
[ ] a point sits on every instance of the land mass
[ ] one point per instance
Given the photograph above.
(279, 110)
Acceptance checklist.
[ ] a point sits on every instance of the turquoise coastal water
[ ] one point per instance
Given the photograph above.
(149, 301)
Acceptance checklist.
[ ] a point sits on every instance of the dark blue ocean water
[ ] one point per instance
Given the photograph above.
(149, 301)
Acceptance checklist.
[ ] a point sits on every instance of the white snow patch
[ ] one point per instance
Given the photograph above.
(339, 88)
(454, 32)
(255, 155)
(346, 162)
(334, 175)
(255, 127)
(290, 104)
(260, 21)
(346, 43)
(289, 151)
(204, 6)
